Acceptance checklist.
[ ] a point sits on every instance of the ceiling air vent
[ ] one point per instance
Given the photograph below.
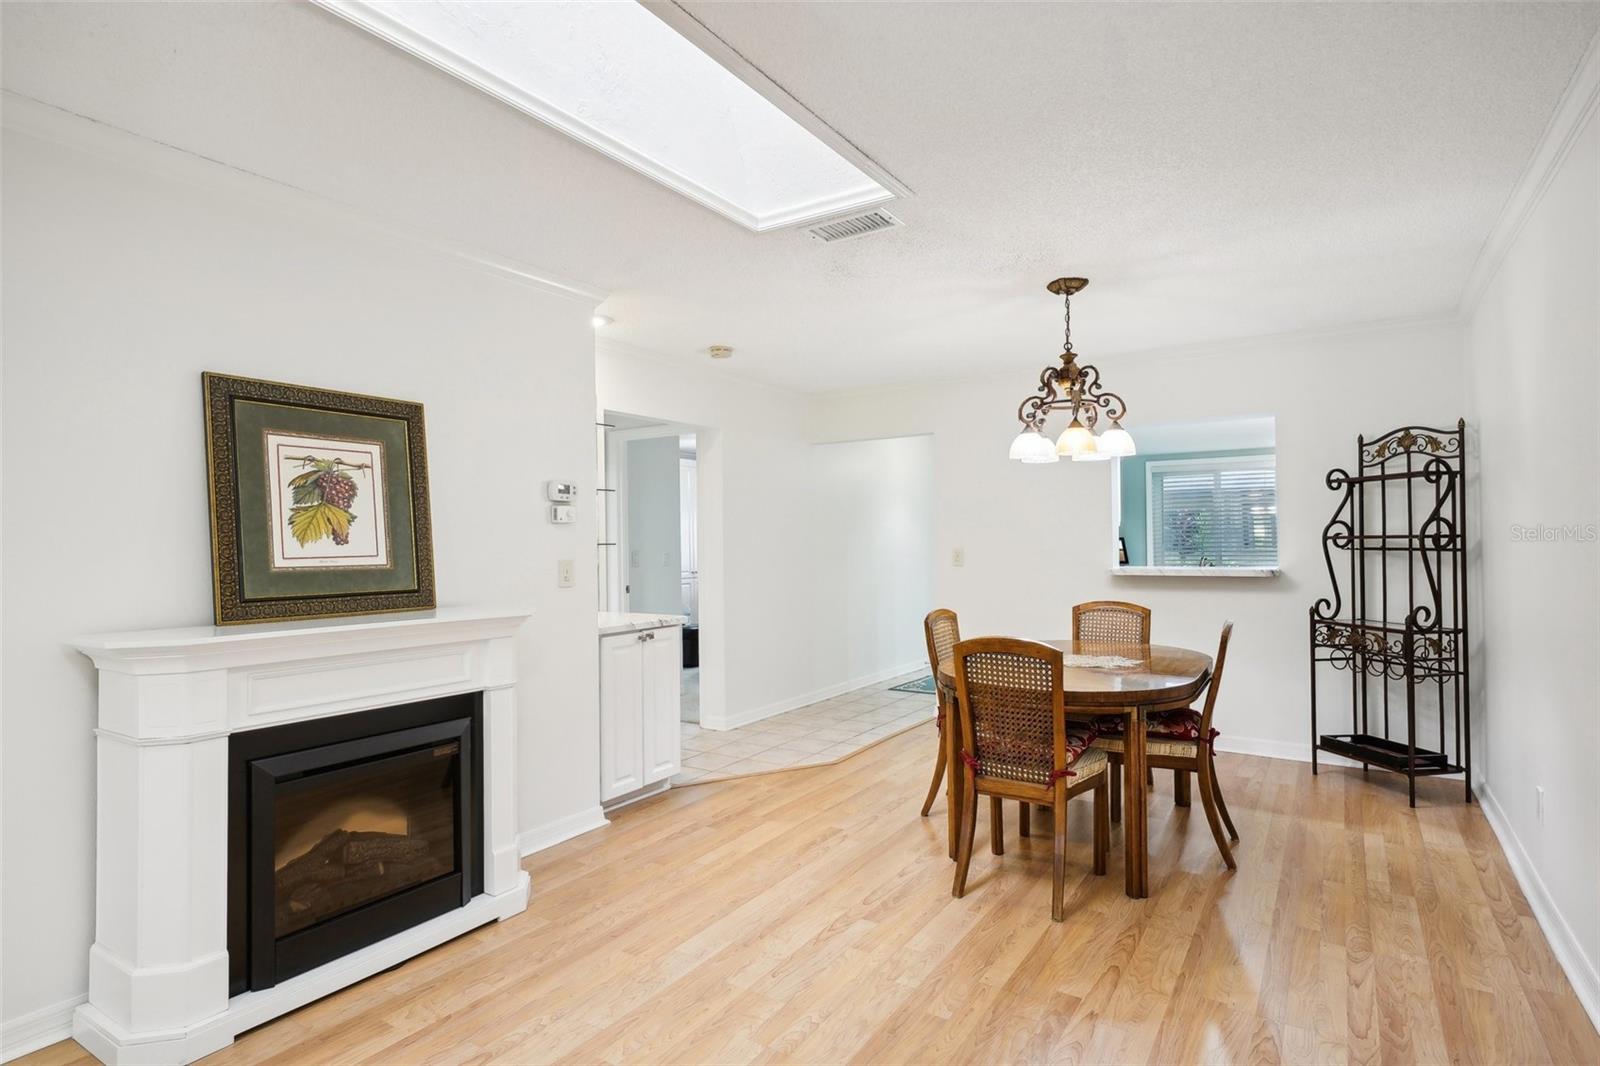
(843, 229)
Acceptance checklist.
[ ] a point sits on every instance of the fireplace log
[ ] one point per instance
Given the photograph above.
(342, 855)
(384, 847)
(324, 862)
(345, 869)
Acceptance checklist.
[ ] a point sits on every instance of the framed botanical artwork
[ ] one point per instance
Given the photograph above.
(319, 502)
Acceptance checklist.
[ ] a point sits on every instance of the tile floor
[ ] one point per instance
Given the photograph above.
(689, 694)
(820, 733)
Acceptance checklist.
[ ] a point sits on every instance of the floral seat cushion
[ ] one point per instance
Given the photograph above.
(1169, 725)
(1078, 741)
(1027, 762)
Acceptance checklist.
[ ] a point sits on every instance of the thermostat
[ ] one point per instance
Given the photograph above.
(561, 492)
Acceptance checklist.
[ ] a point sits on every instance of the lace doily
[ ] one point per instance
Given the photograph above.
(1100, 662)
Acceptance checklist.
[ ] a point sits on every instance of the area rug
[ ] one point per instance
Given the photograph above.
(921, 684)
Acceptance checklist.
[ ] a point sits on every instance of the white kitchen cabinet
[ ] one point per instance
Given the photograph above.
(640, 742)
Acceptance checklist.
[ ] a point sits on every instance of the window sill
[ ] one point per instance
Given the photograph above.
(1195, 571)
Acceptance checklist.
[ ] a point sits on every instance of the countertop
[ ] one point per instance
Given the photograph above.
(620, 622)
(1195, 571)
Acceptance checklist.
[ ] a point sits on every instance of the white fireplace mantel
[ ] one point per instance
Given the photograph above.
(169, 700)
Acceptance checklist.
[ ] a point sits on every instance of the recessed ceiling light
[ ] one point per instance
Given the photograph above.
(618, 78)
(601, 321)
(720, 351)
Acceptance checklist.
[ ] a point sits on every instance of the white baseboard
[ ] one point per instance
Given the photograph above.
(109, 1042)
(1292, 750)
(48, 1025)
(649, 791)
(1580, 969)
(38, 1029)
(552, 833)
(756, 714)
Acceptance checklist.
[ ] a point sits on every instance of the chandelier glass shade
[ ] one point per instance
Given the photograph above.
(1117, 441)
(1031, 446)
(1076, 441)
(1074, 387)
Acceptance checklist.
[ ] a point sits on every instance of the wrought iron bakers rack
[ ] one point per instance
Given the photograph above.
(1400, 621)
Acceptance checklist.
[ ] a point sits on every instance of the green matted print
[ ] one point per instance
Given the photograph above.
(319, 502)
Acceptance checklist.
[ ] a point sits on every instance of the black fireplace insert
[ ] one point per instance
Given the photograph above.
(343, 831)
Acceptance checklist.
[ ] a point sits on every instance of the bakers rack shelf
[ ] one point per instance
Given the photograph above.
(1398, 623)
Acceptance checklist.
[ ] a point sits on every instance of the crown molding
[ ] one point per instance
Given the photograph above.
(397, 34)
(1577, 104)
(46, 122)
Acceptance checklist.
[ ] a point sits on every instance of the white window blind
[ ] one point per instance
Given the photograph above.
(1213, 512)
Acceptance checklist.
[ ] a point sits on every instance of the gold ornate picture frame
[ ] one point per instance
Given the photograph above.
(319, 502)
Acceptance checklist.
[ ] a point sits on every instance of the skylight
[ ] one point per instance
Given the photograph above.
(621, 80)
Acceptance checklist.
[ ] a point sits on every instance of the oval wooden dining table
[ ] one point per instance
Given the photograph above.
(1164, 678)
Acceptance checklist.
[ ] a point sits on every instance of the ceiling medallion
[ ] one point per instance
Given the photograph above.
(1078, 387)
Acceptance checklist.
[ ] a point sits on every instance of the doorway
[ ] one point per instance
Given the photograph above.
(650, 546)
(689, 575)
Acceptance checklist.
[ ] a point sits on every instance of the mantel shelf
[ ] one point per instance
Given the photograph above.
(209, 647)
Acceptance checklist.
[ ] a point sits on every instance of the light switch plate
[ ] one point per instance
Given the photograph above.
(562, 514)
(564, 574)
(958, 557)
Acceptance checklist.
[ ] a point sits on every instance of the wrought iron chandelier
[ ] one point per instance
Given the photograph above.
(1078, 387)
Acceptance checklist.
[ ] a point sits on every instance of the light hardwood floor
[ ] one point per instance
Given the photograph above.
(806, 916)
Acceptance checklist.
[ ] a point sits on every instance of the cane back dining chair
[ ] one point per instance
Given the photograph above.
(1113, 622)
(1183, 742)
(943, 633)
(1014, 744)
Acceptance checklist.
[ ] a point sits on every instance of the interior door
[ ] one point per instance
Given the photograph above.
(621, 714)
(663, 658)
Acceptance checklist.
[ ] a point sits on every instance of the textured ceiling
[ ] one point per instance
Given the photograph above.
(1218, 170)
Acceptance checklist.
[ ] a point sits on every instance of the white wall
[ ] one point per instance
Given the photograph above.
(1533, 374)
(872, 559)
(759, 519)
(131, 268)
(654, 545)
(1036, 538)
